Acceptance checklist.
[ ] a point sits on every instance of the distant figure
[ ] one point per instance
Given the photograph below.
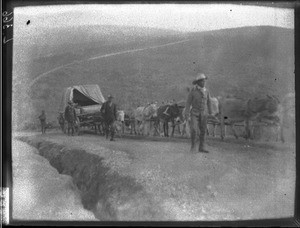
(61, 121)
(70, 116)
(42, 118)
(109, 112)
(200, 103)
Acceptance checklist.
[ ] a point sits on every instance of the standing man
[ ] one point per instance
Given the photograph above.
(70, 116)
(42, 118)
(198, 105)
(109, 112)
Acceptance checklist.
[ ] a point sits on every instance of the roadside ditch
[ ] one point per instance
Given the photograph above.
(110, 196)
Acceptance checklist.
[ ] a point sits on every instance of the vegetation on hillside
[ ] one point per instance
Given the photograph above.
(244, 62)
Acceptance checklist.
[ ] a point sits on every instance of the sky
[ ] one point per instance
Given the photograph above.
(183, 17)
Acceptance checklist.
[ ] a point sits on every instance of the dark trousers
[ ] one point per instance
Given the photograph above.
(109, 128)
(43, 126)
(198, 123)
(71, 125)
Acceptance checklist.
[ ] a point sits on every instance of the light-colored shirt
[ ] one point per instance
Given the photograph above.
(198, 102)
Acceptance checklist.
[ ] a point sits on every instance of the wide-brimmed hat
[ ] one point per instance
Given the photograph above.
(110, 96)
(199, 77)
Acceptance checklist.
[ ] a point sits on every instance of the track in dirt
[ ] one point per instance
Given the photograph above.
(212, 141)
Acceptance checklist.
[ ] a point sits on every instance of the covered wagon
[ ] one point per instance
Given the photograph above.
(87, 100)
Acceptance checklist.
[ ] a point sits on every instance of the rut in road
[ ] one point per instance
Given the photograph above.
(107, 194)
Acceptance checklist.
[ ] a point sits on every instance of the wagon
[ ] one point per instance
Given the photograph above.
(88, 100)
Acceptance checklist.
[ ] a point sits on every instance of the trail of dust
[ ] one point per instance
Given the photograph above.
(104, 56)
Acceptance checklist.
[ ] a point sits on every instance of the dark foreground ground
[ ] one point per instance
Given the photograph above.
(158, 179)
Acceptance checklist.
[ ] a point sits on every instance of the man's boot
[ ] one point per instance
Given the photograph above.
(193, 138)
(201, 144)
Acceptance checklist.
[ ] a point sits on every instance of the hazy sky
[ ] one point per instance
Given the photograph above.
(189, 17)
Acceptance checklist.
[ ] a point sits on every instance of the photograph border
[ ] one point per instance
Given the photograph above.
(7, 118)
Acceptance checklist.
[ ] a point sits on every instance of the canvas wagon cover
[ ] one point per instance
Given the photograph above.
(84, 95)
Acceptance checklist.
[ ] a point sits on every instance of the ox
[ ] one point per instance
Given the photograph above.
(144, 115)
(130, 122)
(280, 123)
(283, 119)
(233, 111)
(266, 125)
(119, 124)
(166, 114)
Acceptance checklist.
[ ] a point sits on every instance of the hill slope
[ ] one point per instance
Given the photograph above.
(244, 61)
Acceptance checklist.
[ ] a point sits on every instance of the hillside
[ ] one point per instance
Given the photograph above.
(244, 61)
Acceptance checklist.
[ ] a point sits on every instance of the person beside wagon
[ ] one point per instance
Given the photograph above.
(109, 112)
(70, 116)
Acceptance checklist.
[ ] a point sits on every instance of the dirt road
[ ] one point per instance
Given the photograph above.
(236, 180)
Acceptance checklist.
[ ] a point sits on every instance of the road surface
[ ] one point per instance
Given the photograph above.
(236, 180)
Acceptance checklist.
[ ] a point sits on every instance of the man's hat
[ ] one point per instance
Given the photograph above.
(199, 77)
(110, 96)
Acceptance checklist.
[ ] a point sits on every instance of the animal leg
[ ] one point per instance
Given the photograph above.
(214, 130)
(167, 129)
(123, 127)
(137, 125)
(234, 132)
(179, 132)
(222, 125)
(173, 129)
(99, 129)
(207, 131)
(247, 129)
(182, 130)
(282, 135)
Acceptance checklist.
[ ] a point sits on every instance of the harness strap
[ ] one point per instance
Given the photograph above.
(165, 112)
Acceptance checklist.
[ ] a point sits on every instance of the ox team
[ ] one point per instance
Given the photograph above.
(197, 109)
